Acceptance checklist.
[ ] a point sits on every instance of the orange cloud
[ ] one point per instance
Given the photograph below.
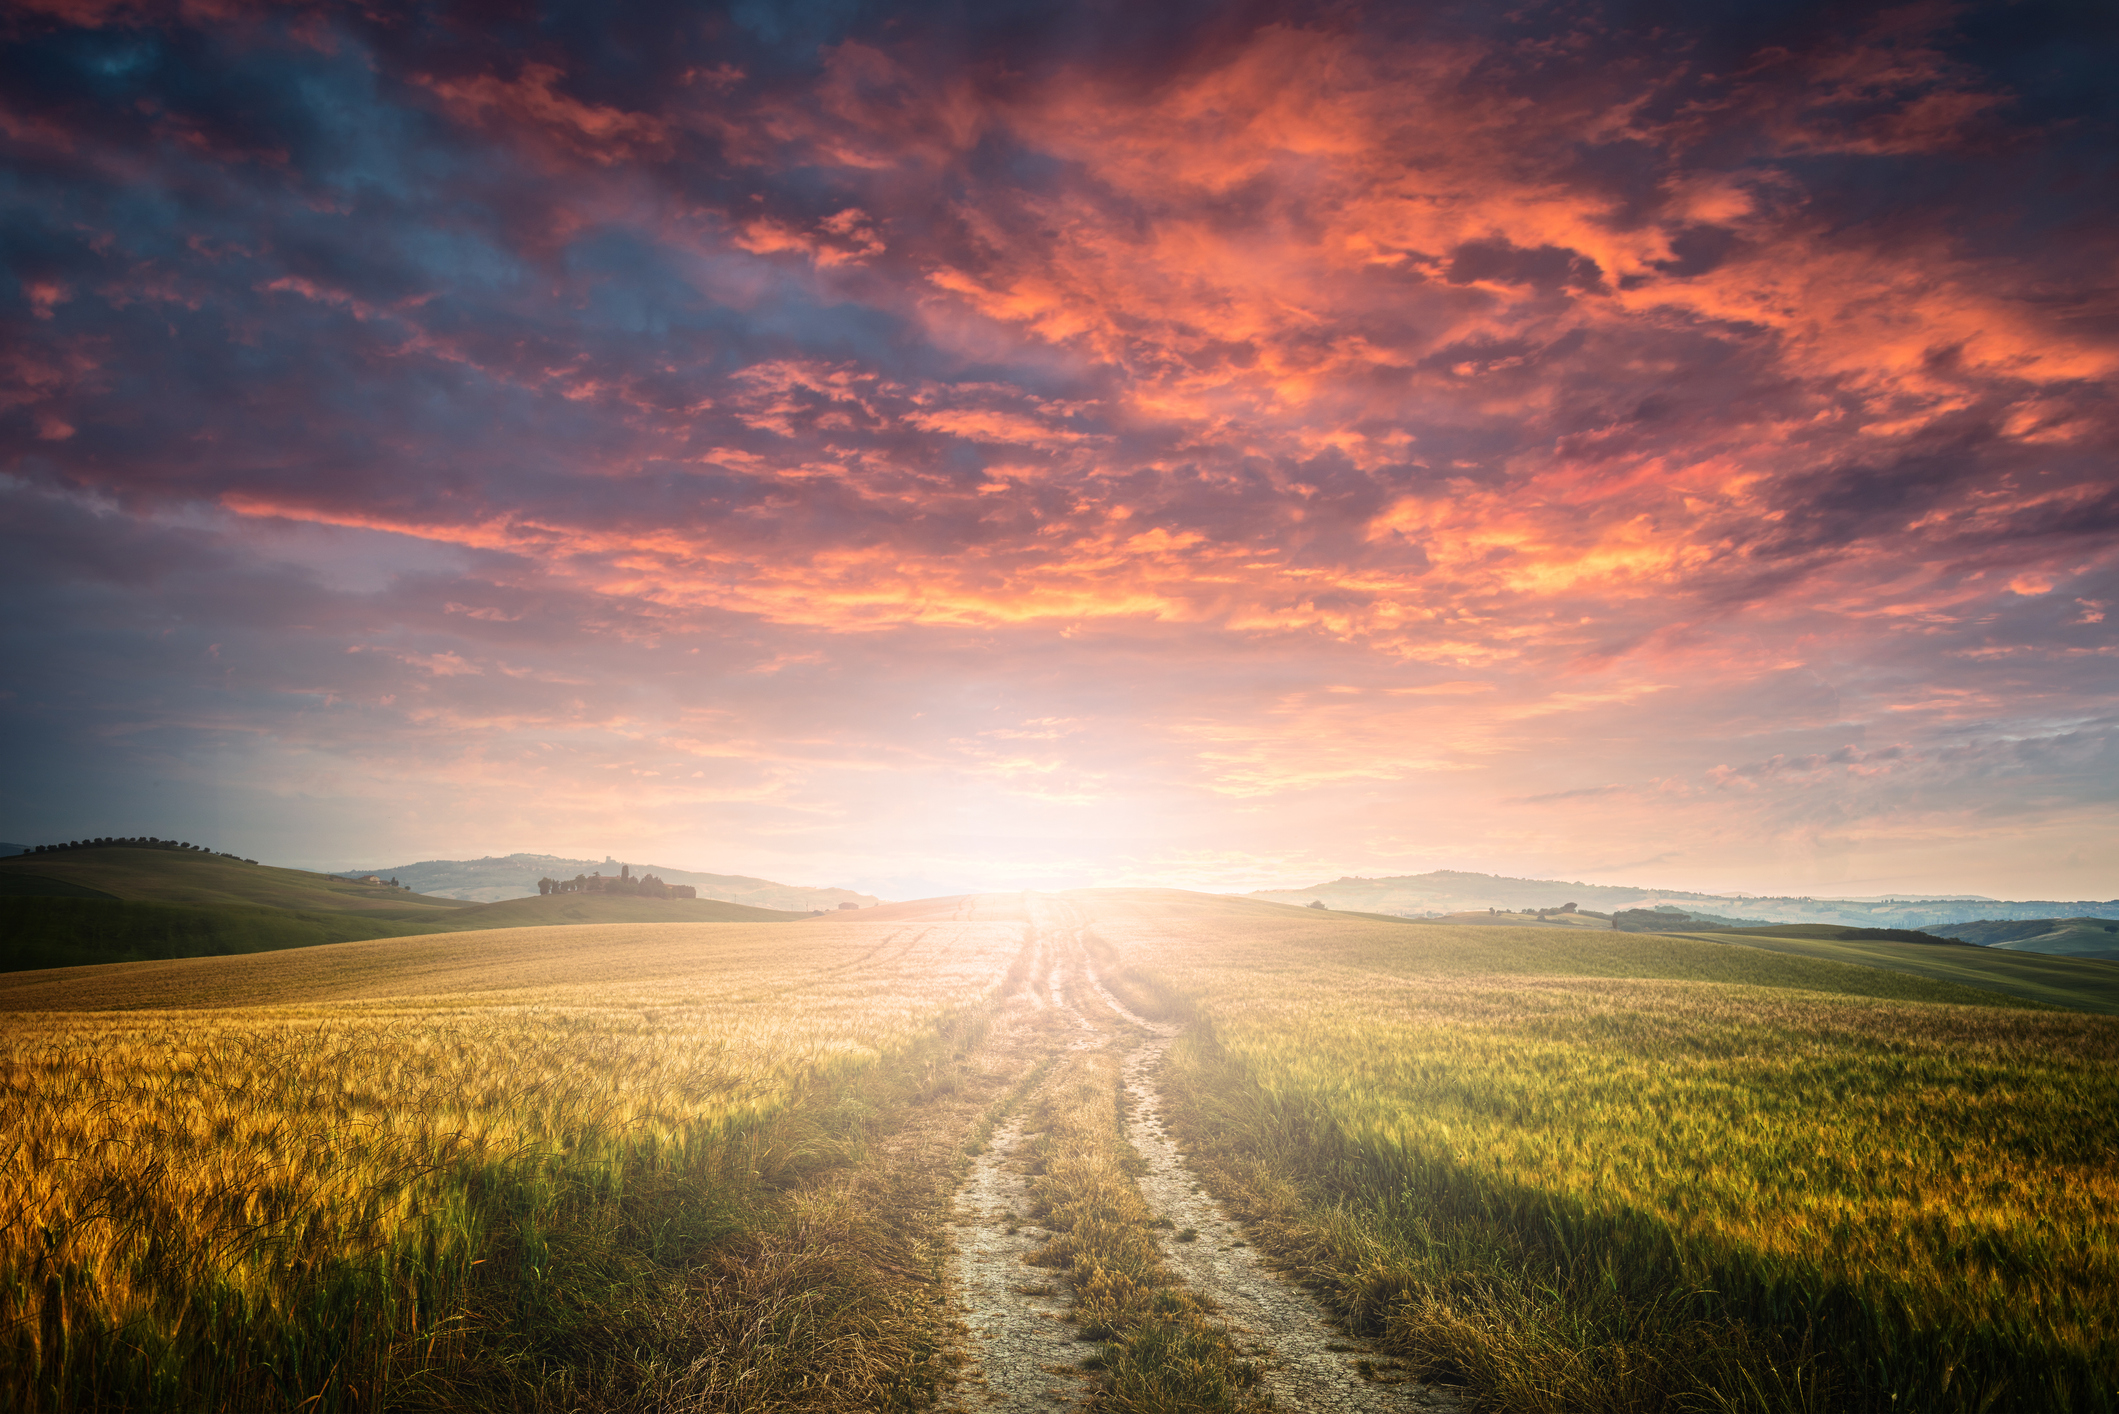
(533, 106)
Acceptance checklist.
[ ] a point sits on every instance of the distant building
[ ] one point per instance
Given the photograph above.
(369, 879)
(849, 905)
(627, 883)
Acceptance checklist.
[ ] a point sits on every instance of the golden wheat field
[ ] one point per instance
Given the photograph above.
(1558, 1169)
(285, 1162)
(1935, 1182)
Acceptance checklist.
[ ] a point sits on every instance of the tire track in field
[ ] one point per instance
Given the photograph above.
(1025, 1356)
(840, 969)
(1311, 1364)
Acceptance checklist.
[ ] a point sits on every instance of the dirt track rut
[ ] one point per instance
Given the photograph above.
(1020, 1347)
(1022, 1355)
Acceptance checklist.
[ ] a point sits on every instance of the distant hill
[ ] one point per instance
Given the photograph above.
(1664, 918)
(1481, 918)
(2058, 937)
(608, 908)
(215, 880)
(117, 904)
(2081, 983)
(1447, 891)
(500, 877)
(7, 849)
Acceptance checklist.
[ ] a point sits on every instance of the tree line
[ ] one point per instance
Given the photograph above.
(134, 842)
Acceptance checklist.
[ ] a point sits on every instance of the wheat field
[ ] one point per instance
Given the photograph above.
(1565, 1171)
(270, 1181)
(1838, 1197)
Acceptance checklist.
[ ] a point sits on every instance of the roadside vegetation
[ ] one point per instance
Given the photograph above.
(1628, 1173)
(531, 1191)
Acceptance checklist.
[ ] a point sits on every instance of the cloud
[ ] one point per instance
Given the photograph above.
(832, 400)
(535, 110)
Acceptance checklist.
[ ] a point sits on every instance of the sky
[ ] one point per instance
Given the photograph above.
(994, 445)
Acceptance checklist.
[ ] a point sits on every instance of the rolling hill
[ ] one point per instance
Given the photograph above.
(1450, 891)
(211, 880)
(2061, 937)
(2082, 983)
(497, 878)
(1480, 918)
(119, 904)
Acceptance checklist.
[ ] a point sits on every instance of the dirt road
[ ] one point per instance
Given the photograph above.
(1022, 1353)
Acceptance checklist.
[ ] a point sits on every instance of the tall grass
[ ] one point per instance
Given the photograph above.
(320, 1207)
(1595, 1192)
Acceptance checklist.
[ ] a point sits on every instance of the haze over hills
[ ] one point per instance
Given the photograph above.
(496, 878)
(106, 899)
(1455, 891)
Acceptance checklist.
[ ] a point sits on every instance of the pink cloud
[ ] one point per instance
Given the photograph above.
(534, 110)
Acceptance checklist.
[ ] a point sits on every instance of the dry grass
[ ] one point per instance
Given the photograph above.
(1160, 1354)
(289, 1203)
(1595, 1192)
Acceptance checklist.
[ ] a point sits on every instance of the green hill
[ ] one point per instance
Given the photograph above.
(1827, 932)
(212, 880)
(1482, 919)
(2061, 937)
(37, 932)
(2081, 983)
(16, 885)
(120, 904)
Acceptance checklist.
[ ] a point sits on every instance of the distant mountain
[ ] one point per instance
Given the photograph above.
(7, 849)
(496, 878)
(1452, 891)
